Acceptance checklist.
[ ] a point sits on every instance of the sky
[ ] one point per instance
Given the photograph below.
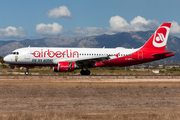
(35, 19)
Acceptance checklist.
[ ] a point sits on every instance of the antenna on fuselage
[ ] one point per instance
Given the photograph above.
(29, 46)
(103, 47)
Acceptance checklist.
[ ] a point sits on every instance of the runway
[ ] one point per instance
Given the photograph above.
(88, 79)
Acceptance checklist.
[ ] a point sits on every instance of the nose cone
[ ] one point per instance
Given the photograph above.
(8, 59)
(5, 59)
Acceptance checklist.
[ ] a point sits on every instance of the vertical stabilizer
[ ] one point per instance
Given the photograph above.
(159, 39)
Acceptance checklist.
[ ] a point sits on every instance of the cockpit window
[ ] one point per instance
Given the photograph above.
(15, 53)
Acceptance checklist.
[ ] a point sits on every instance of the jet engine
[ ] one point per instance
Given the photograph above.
(64, 67)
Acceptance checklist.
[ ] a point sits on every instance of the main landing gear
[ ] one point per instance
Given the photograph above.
(27, 71)
(85, 72)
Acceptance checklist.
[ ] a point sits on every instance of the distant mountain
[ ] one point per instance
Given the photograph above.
(124, 39)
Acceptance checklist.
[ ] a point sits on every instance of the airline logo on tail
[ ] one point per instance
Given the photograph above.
(160, 37)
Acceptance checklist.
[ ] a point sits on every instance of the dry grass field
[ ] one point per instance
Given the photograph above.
(59, 98)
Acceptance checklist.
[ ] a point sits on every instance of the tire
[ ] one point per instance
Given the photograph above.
(26, 73)
(82, 72)
(88, 72)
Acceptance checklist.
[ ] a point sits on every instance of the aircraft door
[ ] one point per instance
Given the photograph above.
(140, 55)
(27, 54)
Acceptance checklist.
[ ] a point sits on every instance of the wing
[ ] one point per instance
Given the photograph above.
(90, 61)
(94, 59)
(87, 61)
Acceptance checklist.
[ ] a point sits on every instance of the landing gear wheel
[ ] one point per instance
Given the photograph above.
(26, 73)
(88, 72)
(83, 72)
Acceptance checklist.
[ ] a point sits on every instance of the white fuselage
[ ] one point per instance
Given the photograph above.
(52, 55)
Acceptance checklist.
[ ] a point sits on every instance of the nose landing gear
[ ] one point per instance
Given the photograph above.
(27, 71)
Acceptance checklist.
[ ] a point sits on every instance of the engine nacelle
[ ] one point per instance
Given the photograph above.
(64, 67)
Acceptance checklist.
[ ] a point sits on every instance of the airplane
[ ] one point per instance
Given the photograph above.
(64, 59)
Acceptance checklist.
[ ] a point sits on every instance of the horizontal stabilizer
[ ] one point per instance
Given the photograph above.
(165, 53)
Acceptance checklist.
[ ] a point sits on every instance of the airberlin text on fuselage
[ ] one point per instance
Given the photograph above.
(67, 53)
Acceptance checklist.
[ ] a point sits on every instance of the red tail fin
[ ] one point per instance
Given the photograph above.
(159, 39)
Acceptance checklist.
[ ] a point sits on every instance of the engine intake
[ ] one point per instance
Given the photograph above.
(64, 67)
